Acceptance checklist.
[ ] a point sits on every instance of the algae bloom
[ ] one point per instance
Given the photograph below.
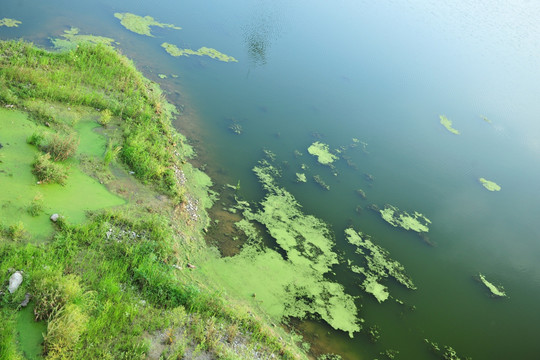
(141, 25)
(323, 154)
(301, 177)
(416, 222)
(495, 291)
(490, 185)
(9, 22)
(447, 123)
(72, 37)
(204, 51)
(378, 266)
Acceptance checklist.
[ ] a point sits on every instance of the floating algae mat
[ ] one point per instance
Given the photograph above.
(72, 37)
(323, 154)
(141, 25)
(9, 22)
(30, 333)
(294, 285)
(447, 123)
(19, 186)
(174, 50)
(490, 185)
(415, 222)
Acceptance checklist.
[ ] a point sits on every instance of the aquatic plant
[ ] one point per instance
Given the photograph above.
(378, 266)
(47, 171)
(321, 182)
(361, 193)
(416, 222)
(496, 291)
(445, 352)
(9, 22)
(447, 123)
(323, 154)
(141, 25)
(485, 119)
(36, 205)
(204, 51)
(71, 38)
(62, 147)
(301, 177)
(490, 185)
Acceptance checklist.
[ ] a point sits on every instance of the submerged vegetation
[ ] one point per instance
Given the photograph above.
(116, 283)
(141, 25)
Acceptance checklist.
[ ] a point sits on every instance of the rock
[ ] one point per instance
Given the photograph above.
(26, 300)
(15, 281)
(54, 217)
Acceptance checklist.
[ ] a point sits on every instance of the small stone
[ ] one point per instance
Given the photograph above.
(15, 281)
(54, 217)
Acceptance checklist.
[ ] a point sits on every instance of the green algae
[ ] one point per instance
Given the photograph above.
(301, 177)
(71, 38)
(490, 185)
(30, 333)
(485, 118)
(80, 194)
(378, 266)
(447, 123)
(323, 154)
(162, 76)
(496, 291)
(141, 25)
(416, 222)
(294, 286)
(321, 182)
(204, 51)
(10, 22)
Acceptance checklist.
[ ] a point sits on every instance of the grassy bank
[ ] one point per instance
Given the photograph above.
(118, 284)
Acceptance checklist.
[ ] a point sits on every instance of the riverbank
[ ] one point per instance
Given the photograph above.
(118, 279)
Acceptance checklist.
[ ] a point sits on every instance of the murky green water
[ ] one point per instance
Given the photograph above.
(381, 72)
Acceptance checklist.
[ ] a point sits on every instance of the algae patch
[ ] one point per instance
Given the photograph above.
(495, 291)
(9, 22)
(293, 284)
(71, 38)
(141, 25)
(323, 154)
(379, 266)
(416, 222)
(301, 177)
(447, 123)
(204, 51)
(490, 185)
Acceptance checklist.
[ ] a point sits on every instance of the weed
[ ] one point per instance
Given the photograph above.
(36, 206)
(111, 153)
(47, 171)
(105, 117)
(62, 147)
(16, 232)
(36, 138)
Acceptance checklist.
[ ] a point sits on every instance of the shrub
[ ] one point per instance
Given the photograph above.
(47, 171)
(62, 148)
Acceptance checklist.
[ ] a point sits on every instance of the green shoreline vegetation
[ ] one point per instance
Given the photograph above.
(112, 282)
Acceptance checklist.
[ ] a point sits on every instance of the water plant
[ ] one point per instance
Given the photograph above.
(415, 222)
(141, 25)
(490, 185)
(61, 147)
(204, 51)
(36, 206)
(321, 183)
(447, 123)
(323, 154)
(10, 22)
(47, 171)
(496, 291)
(71, 38)
(301, 177)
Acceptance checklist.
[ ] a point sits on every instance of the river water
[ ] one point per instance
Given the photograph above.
(381, 72)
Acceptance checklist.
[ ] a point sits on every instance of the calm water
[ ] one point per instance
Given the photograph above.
(381, 72)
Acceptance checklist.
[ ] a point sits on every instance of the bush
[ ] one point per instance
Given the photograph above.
(105, 117)
(36, 206)
(36, 138)
(47, 171)
(62, 148)
(16, 231)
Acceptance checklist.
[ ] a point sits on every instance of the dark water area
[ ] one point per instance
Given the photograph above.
(381, 72)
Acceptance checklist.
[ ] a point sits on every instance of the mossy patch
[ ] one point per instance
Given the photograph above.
(490, 185)
(323, 154)
(71, 38)
(294, 286)
(141, 25)
(447, 123)
(10, 22)
(204, 51)
(378, 266)
(415, 222)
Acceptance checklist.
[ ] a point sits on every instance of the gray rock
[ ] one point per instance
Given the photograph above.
(54, 217)
(26, 300)
(15, 281)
